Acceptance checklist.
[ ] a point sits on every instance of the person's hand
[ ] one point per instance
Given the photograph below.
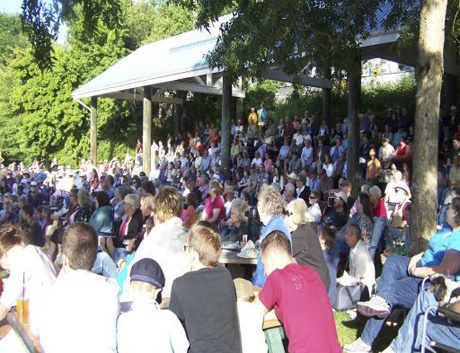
(3, 311)
(130, 246)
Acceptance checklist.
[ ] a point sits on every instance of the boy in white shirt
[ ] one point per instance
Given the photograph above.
(146, 327)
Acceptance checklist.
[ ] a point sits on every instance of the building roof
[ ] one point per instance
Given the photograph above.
(179, 63)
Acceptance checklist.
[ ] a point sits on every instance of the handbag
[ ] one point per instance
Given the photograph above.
(348, 296)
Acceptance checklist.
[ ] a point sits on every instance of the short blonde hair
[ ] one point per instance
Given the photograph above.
(270, 201)
(167, 204)
(299, 212)
(205, 239)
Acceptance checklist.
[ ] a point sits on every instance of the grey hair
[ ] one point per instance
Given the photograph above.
(132, 200)
(375, 191)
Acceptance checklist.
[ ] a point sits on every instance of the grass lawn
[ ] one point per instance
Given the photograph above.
(348, 335)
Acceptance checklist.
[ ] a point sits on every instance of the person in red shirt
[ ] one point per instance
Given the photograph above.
(299, 298)
(377, 202)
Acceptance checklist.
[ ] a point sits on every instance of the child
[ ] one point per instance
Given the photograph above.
(204, 298)
(299, 297)
(147, 328)
(250, 317)
(190, 213)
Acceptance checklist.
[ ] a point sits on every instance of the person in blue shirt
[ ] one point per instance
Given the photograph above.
(401, 278)
(270, 209)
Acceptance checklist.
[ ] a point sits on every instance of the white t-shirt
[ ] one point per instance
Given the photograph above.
(78, 314)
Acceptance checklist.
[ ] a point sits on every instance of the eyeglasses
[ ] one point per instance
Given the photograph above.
(185, 247)
(312, 198)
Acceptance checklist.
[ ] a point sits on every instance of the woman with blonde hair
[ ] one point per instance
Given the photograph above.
(306, 248)
(214, 207)
(270, 209)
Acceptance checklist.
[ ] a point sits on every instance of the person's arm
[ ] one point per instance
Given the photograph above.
(450, 265)
(260, 305)
(215, 215)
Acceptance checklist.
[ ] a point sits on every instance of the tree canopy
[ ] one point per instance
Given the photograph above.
(296, 34)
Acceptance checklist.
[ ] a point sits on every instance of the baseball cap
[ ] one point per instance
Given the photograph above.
(149, 271)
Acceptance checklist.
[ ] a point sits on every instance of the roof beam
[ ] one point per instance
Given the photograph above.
(305, 80)
(194, 87)
(139, 98)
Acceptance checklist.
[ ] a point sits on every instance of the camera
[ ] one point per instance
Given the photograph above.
(330, 201)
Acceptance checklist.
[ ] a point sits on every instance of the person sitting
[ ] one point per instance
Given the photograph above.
(102, 219)
(145, 325)
(361, 266)
(239, 221)
(306, 249)
(270, 208)
(204, 299)
(33, 231)
(315, 209)
(410, 336)
(331, 255)
(189, 215)
(164, 243)
(378, 204)
(80, 304)
(115, 246)
(401, 278)
(338, 216)
(30, 269)
(364, 216)
(214, 210)
(298, 295)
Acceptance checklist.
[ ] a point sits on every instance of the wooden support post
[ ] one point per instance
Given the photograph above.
(93, 131)
(147, 131)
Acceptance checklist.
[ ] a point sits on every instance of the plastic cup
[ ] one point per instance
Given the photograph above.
(22, 309)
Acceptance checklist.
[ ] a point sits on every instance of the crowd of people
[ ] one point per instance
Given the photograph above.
(118, 235)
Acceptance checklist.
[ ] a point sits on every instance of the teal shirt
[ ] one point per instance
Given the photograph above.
(439, 243)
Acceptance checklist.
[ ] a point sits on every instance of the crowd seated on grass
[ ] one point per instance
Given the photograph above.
(287, 176)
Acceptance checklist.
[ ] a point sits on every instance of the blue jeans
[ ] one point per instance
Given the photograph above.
(410, 338)
(104, 265)
(380, 225)
(397, 288)
(118, 254)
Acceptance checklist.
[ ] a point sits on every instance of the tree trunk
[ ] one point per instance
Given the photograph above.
(354, 91)
(226, 126)
(430, 67)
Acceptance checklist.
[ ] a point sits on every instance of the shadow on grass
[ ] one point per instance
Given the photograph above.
(348, 335)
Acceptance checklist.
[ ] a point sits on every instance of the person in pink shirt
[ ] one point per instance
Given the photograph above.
(299, 298)
(214, 207)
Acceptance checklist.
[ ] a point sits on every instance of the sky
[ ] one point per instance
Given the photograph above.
(10, 6)
(13, 7)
